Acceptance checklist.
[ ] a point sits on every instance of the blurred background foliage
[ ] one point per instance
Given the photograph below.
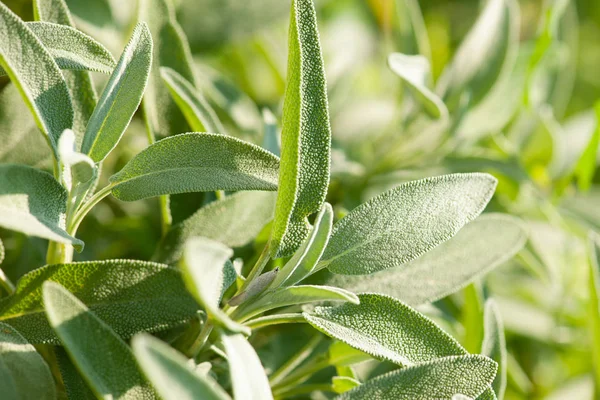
(529, 126)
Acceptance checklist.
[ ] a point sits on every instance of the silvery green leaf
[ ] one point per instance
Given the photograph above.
(130, 296)
(170, 373)
(494, 345)
(436, 379)
(341, 384)
(594, 299)
(461, 397)
(25, 369)
(202, 267)
(305, 136)
(196, 162)
(234, 221)
(198, 113)
(104, 360)
(121, 97)
(77, 167)
(255, 287)
(413, 34)
(32, 69)
(415, 72)
(33, 202)
(75, 385)
(405, 222)
(248, 376)
(480, 246)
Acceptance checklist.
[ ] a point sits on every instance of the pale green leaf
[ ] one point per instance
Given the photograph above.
(198, 113)
(33, 202)
(202, 267)
(341, 384)
(33, 71)
(196, 162)
(342, 355)
(255, 287)
(25, 367)
(104, 360)
(413, 36)
(121, 97)
(406, 222)
(415, 72)
(235, 221)
(586, 166)
(271, 135)
(437, 379)
(594, 300)
(77, 167)
(130, 296)
(170, 373)
(494, 345)
(248, 377)
(461, 397)
(8, 387)
(305, 136)
(479, 247)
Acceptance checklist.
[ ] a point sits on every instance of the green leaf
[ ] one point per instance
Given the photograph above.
(121, 97)
(271, 136)
(33, 71)
(248, 377)
(437, 379)
(77, 168)
(494, 345)
(586, 166)
(341, 384)
(489, 47)
(405, 222)
(305, 136)
(291, 296)
(415, 72)
(413, 37)
(33, 202)
(202, 267)
(170, 373)
(342, 355)
(234, 221)
(104, 360)
(75, 386)
(198, 113)
(594, 300)
(196, 162)
(479, 247)
(8, 387)
(130, 296)
(26, 369)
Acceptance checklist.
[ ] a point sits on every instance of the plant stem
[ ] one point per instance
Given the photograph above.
(165, 214)
(200, 341)
(6, 283)
(295, 360)
(302, 373)
(292, 318)
(303, 389)
(59, 253)
(261, 263)
(87, 206)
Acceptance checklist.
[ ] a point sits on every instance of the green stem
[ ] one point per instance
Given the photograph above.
(295, 360)
(303, 389)
(258, 268)
(200, 341)
(87, 206)
(165, 214)
(59, 253)
(6, 283)
(303, 373)
(292, 318)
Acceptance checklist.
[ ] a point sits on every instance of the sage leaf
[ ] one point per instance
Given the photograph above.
(479, 247)
(255, 287)
(437, 379)
(405, 222)
(130, 296)
(33, 70)
(413, 37)
(415, 72)
(594, 299)
(121, 97)
(586, 165)
(202, 267)
(198, 113)
(461, 397)
(8, 387)
(33, 202)
(104, 360)
(494, 345)
(234, 221)
(271, 135)
(77, 167)
(25, 367)
(196, 162)
(248, 376)
(305, 136)
(293, 295)
(341, 384)
(170, 373)
(75, 385)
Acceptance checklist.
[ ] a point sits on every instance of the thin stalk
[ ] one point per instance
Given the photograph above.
(258, 268)
(292, 318)
(6, 283)
(295, 360)
(303, 373)
(303, 389)
(200, 341)
(87, 206)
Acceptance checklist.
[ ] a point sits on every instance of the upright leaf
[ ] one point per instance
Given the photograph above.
(104, 360)
(248, 376)
(33, 202)
(494, 345)
(170, 373)
(121, 97)
(196, 162)
(586, 165)
(405, 222)
(437, 379)
(305, 136)
(33, 70)
(75, 385)
(594, 300)
(25, 367)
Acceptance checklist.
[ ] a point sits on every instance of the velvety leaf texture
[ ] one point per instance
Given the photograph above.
(196, 162)
(170, 373)
(438, 379)
(406, 222)
(33, 202)
(305, 136)
(75, 385)
(104, 360)
(130, 296)
(233, 221)
(25, 367)
(33, 70)
(494, 345)
(121, 97)
(480, 246)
